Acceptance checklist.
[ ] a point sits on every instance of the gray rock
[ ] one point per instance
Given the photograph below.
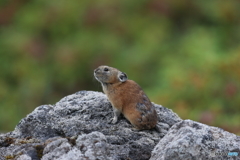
(78, 126)
(24, 157)
(189, 140)
(86, 147)
(16, 149)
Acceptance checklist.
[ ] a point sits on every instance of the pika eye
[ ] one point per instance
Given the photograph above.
(106, 69)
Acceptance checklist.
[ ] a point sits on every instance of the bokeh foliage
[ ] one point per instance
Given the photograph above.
(184, 54)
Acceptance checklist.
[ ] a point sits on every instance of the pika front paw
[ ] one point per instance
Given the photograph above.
(114, 120)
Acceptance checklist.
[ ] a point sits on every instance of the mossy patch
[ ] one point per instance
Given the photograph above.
(7, 142)
(39, 149)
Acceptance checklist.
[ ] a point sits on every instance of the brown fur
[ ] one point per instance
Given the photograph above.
(126, 97)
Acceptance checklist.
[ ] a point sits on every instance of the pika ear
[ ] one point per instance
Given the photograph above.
(122, 77)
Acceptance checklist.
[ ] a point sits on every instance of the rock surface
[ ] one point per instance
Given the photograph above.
(77, 127)
(196, 141)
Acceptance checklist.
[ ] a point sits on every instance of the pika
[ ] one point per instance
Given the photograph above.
(126, 97)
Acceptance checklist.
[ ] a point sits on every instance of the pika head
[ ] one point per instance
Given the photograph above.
(109, 75)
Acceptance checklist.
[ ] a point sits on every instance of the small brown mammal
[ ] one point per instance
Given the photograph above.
(126, 97)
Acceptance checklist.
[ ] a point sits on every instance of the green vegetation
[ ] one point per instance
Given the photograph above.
(184, 54)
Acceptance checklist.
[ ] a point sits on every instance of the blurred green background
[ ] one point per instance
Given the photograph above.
(184, 54)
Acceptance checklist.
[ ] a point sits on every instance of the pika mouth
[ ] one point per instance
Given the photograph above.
(96, 77)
